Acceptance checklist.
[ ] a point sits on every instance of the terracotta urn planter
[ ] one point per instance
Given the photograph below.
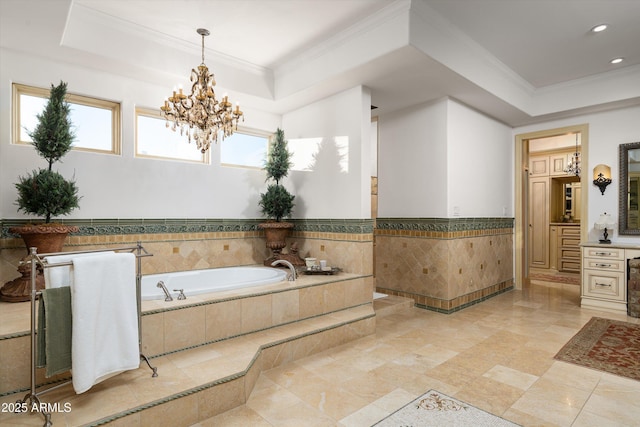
(276, 233)
(47, 238)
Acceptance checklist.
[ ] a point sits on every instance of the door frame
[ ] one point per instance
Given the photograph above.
(521, 192)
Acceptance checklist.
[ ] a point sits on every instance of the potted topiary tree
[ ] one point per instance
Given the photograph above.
(276, 203)
(44, 192)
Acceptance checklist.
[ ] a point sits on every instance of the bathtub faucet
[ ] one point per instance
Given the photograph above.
(165, 290)
(291, 276)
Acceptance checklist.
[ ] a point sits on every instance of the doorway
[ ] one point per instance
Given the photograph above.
(522, 199)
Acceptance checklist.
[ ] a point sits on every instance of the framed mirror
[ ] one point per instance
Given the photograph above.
(628, 219)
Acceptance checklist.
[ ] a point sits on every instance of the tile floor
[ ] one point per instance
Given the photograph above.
(497, 356)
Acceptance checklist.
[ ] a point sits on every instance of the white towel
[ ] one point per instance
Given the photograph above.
(57, 277)
(104, 340)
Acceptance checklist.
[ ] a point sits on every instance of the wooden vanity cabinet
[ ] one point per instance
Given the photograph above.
(604, 275)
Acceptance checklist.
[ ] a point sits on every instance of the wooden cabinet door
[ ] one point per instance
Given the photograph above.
(557, 163)
(539, 166)
(539, 222)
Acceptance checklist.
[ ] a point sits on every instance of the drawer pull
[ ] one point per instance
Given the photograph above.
(603, 253)
(606, 285)
(603, 265)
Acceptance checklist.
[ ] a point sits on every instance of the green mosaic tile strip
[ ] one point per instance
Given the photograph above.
(443, 224)
(463, 306)
(102, 227)
(352, 226)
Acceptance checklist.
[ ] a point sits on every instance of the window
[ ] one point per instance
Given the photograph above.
(155, 140)
(245, 148)
(96, 122)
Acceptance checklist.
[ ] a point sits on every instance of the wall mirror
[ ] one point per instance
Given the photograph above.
(628, 220)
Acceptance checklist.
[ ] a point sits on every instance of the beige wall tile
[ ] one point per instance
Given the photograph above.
(220, 398)
(311, 301)
(223, 319)
(153, 334)
(184, 328)
(285, 307)
(256, 313)
(182, 412)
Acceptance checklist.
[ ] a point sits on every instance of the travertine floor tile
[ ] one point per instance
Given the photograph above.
(497, 355)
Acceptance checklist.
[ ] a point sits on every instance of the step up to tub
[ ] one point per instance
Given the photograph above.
(391, 304)
(200, 382)
(169, 327)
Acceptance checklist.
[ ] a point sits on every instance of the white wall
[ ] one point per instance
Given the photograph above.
(126, 187)
(412, 162)
(444, 160)
(479, 164)
(326, 191)
(607, 130)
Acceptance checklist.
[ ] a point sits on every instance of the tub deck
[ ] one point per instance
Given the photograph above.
(209, 350)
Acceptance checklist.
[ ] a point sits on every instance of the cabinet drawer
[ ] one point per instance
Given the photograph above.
(570, 265)
(604, 284)
(570, 241)
(604, 264)
(570, 231)
(570, 253)
(604, 253)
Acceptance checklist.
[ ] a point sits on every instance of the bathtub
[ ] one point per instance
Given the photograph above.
(215, 279)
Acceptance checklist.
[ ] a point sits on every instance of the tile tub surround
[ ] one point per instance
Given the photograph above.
(186, 244)
(177, 325)
(169, 327)
(444, 264)
(202, 382)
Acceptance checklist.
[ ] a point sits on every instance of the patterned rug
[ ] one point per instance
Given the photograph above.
(606, 345)
(436, 409)
(557, 278)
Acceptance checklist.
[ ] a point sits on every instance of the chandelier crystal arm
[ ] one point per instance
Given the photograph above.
(200, 114)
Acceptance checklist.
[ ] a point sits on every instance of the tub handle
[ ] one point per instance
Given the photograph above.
(181, 294)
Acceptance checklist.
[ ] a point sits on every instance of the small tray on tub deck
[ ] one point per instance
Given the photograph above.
(317, 270)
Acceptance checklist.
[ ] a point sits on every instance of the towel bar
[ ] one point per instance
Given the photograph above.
(31, 397)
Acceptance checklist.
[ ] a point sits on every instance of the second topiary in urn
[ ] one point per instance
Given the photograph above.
(276, 203)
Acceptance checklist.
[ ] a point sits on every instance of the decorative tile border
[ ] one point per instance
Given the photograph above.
(104, 227)
(456, 304)
(443, 227)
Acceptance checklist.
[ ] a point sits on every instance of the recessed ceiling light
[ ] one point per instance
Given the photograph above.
(599, 28)
(616, 60)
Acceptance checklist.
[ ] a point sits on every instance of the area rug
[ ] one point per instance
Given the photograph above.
(436, 409)
(557, 278)
(605, 345)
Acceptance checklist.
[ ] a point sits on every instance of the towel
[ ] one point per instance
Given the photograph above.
(55, 277)
(105, 318)
(54, 331)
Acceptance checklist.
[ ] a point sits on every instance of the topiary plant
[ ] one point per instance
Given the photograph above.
(277, 202)
(45, 192)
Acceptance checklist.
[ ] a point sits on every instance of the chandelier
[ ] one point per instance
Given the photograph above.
(201, 115)
(573, 167)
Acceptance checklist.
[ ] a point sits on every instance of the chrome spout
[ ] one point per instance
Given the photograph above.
(165, 290)
(292, 275)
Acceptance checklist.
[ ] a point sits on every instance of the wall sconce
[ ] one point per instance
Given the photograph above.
(605, 221)
(602, 176)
